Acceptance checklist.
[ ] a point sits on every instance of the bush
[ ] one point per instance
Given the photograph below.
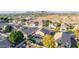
(31, 39)
(16, 37)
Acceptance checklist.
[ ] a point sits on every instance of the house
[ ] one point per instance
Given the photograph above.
(38, 32)
(28, 18)
(4, 43)
(17, 21)
(29, 30)
(52, 26)
(47, 31)
(32, 25)
(36, 23)
(15, 26)
(34, 32)
(2, 21)
(2, 25)
(63, 39)
(76, 27)
(26, 24)
(37, 38)
(10, 19)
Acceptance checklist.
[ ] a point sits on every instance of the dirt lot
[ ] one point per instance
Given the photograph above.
(64, 18)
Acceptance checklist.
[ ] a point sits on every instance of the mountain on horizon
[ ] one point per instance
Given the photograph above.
(29, 12)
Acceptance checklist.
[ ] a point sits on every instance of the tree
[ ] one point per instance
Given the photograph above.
(7, 28)
(48, 41)
(76, 32)
(16, 37)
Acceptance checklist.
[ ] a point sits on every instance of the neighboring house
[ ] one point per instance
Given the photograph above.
(32, 31)
(28, 18)
(47, 31)
(15, 26)
(2, 25)
(76, 27)
(38, 35)
(10, 19)
(32, 25)
(63, 39)
(15, 21)
(63, 27)
(19, 22)
(2, 21)
(26, 24)
(52, 26)
(29, 31)
(36, 23)
(38, 38)
(38, 32)
(4, 43)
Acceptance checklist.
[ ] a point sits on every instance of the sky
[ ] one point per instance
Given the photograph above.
(3, 12)
(20, 6)
(39, 5)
